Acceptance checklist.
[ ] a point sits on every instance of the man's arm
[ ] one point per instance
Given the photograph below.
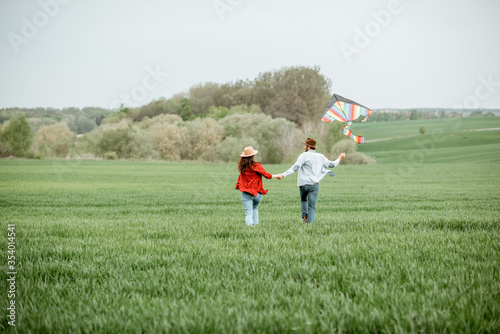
(332, 164)
(294, 168)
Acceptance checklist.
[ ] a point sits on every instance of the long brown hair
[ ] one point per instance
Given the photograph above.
(244, 163)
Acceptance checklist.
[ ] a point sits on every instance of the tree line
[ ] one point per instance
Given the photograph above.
(210, 121)
(219, 137)
(78, 120)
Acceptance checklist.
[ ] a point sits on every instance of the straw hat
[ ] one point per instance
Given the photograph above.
(311, 142)
(248, 152)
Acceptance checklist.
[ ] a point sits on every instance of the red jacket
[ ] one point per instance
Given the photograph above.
(250, 181)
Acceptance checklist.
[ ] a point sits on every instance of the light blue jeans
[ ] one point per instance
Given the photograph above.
(251, 205)
(308, 199)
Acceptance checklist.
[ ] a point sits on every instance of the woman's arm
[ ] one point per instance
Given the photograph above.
(259, 169)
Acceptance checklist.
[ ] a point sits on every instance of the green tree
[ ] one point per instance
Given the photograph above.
(295, 93)
(18, 136)
(84, 125)
(421, 129)
(54, 140)
(334, 133)
(169, 140)
(204, 136)
(202, 97)
(218, 112)
(185, 109)
(118, 141)
(151, 110)
(476, 113)
(415, 114)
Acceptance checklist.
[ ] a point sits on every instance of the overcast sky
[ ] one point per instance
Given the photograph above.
(383, 54)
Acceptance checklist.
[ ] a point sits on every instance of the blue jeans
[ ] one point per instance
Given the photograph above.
(251, 205)
(308, 198)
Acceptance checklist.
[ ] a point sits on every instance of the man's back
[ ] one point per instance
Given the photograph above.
(312, 168)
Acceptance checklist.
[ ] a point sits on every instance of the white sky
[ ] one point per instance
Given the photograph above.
(421, 53)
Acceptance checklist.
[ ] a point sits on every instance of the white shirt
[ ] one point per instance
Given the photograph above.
(312, 168)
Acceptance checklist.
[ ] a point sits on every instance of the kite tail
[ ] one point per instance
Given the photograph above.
(348, 132)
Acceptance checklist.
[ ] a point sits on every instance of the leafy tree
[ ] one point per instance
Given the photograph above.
(37, 122)
(98, 119)
(333, 133)
(170, 140)
(17, 136)
(140, 146)
(296, 93)
(274, 137)
(421, 129)
(221, 111)
(160, 119)
(204, 136)
(218, 112)
(185, 109)
(415, 114)
(84, 125)
(173, 104)
(289, 105)
(202, 97)
(125, 113)
(237, 93)
(151, 110)
(116, 141)
(54, 140)
(230, 148)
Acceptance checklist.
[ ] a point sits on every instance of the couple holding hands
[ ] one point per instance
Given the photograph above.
(311, 166)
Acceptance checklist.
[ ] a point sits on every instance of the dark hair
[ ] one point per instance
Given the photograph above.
(244, 163)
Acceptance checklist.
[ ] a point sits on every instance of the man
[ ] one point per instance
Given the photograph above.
(312, 168)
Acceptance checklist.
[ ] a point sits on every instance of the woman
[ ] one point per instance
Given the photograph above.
(250, 184)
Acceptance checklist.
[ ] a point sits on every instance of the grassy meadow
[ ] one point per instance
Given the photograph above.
(411, 244)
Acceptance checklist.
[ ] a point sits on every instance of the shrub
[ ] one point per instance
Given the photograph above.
(116, 141)
(54, 140)
(347, 146)
(204, 136)
(18, 136)
(141, 146)
(170, 140)
(358, 158)
(5, 149)
(167, 119)
(111, 155)
(230, 148)
(84, 125)
(352, 156)
(421, 129)
(217, 112)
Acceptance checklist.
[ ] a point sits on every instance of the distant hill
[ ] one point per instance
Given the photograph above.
(445, 140)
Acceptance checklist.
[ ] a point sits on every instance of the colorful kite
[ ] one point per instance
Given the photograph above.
(341, 109)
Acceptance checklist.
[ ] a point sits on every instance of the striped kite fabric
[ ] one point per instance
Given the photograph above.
(344, 110)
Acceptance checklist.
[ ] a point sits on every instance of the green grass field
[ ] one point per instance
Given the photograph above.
(380, 130)
(411, 244)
